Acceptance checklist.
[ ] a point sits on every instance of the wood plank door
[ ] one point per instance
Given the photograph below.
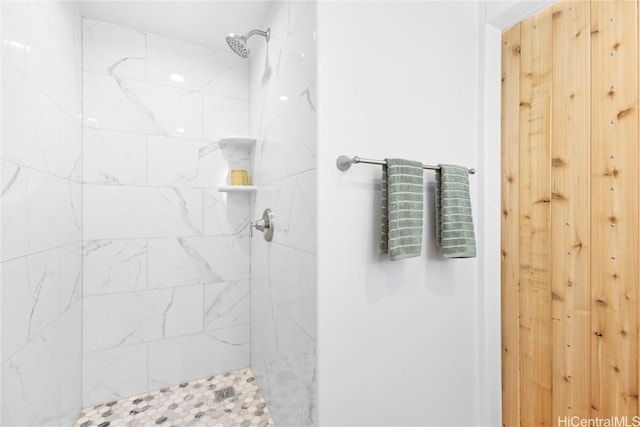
(570, 213)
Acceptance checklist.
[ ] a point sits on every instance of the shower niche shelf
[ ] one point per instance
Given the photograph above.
(237, 188)
(238, 141)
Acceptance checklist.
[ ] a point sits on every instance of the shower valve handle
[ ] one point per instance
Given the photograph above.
(265, 224)
(258, 225)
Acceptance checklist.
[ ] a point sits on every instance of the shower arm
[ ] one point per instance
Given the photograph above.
(265, 34)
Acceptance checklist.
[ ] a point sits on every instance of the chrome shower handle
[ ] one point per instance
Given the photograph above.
(258, 225)
(266, 224)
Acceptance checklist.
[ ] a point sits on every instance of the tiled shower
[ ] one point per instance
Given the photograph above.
(124, 269)
(166, 256)
(131, 292)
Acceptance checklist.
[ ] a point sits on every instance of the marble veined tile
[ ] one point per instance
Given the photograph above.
(113, 50)
(197, 260)
(294, 202)
(185, 314)
(54, 58)
(117, 320)
(14, 34)
(288, 145)
(296, 365)
(133, 212)
(36, 290)
(261, 265)
(289, 63)
(115, 103)
(176, 63)
(264, 347)
(292, 279)
(226, 213)
(297, 69)
(36, 131)
(188, 357)
(238, 158)
(70, 394)
(112, 374)
(34, 373)
(309, 291)
(65, 19)
(180, 162)
(113, 266)
(226, 304)
(31, 202)
(283, 358)
(118, 158)
(224, 116)
(276, 389)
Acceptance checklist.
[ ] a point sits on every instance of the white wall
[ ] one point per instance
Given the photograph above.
(41, 213)
(398, 341)
(166, 256)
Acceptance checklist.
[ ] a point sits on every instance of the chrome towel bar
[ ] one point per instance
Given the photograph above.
(344, 162)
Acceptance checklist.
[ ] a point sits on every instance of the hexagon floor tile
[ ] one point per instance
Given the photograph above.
(231, 399)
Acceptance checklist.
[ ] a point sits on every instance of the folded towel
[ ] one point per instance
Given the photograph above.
(454, 222)
(402, 208)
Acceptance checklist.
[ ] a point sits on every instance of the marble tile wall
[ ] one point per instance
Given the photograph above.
(283, 272)
(165, 255)
(41, 213)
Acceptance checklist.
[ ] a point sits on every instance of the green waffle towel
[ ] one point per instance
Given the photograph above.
(454, 222)
(402, 209)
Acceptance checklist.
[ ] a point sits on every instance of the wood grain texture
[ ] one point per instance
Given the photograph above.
(570, 219)
(510, 226)
(535, 215)
(570, 266)
(614, 208)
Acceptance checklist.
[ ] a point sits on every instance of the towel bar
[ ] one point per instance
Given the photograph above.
(344, 162)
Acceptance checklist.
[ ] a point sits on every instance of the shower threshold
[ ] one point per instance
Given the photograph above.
(225, 400)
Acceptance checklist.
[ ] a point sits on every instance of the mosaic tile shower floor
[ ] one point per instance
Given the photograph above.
(231, 399)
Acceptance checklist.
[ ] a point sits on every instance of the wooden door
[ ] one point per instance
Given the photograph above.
(570, 214)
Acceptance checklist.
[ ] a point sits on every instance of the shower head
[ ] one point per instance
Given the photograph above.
(238, 43)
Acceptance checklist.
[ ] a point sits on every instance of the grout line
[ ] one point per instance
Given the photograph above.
(137, 291)
(182, 88)
(250, 303)
(202, 115)
(203, 215)
(42, 251)
(38, 335)
(147, 254)
(150, 290)
(147, 367)
(146, 147)
(73, 118)
(146, 57)
(82, 325)
(203, 304)
(142, 185)
(180, 236)
(43, 172)
(158, 340)
(293, 175)
(128, 132)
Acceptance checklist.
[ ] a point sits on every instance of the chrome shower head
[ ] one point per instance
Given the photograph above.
(238, 44)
